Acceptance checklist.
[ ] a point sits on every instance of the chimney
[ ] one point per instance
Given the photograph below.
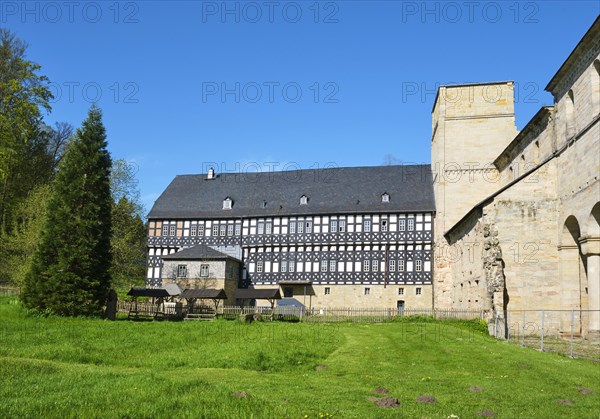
(211, 173)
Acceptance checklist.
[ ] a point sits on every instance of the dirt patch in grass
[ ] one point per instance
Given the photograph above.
(565, 401)
(240, 394)
(321, 367)
(584, 390)
(381, 390)
(426, 399)
(475, 389)
(486, 413)
(385, 402)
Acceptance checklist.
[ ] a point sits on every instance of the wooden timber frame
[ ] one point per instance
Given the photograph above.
(158, 296)
(193, 294)
(269, 294)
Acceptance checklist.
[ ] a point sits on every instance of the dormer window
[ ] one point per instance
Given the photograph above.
(227, 203)
(303, 200)
(385, 197)
(264, 204)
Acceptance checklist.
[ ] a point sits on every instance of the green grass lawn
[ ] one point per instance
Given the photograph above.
(57, 367)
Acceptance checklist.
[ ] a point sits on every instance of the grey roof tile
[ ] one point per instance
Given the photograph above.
(200, 252)
(336, 190)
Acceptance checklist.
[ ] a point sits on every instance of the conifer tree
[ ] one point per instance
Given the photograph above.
(70, 270)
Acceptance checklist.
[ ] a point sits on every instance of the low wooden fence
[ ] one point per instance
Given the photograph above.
(9, 292)
(322, 315)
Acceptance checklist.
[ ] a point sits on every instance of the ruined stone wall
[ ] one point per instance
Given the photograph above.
(513, 237)
(472, 124)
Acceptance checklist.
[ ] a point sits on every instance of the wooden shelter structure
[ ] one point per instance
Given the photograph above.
(157, 294)
(244, 296)
(202, 313)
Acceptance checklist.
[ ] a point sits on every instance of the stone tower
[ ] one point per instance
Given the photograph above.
(472, 124)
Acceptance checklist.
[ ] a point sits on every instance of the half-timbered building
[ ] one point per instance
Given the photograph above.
(358, 237)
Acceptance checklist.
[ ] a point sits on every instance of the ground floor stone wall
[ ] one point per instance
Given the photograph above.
(357, 296)
(505, 256)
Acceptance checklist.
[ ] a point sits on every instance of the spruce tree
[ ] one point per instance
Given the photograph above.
(70, 270)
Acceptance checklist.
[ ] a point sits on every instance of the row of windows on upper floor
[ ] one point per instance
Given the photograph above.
(290, 251)
(333, 265)
(304, 199)
(367, 291)
(340, 225)
(183, 272)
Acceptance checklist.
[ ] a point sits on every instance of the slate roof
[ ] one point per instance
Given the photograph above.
(200, 252)
(148, 292)
(336, 190)
(173, 289)
(215, 294)
(262, 294)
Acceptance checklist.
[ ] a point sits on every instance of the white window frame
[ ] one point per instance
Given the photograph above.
(260, 229)
(308, 227)
(300, 227)
(385, 197)
(268, 228)
(342, 226)
(375, 265)
(193, 230)
(366, 265)
(259, 266)
(303, 200)
(333, 226)
(384, 225)
(367, 225)
(332, 265)
(165, 230)
(324, 265)
(283, 266)
(402, 224)
(230, 229)
(291, 266)
(172, 230)
(215, 230)
(392, 265)
(204, 270)
(222, 230)
(401, 265)
(411, 224)
(238, 229)
(181, 271)
(200, 230)
(227, 204)
(292, 227)
(418, 265)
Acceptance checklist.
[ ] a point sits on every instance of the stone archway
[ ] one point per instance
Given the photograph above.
(590, 249)
(573, 278)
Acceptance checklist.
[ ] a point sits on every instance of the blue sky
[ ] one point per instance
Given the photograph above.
(284, 85)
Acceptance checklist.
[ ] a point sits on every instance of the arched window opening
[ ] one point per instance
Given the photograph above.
(570, 114)
(596, 88)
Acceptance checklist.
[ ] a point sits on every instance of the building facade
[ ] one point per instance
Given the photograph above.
(359, 237)
(525, 233)
(512, 218)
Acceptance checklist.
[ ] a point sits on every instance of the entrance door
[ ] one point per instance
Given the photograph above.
(400, 307)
